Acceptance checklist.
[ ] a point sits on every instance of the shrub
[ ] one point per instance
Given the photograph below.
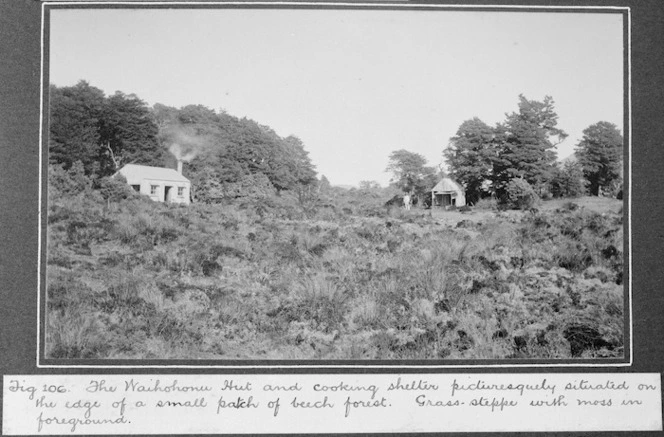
(122, 294)
(598, 224)
(222, 250)
(82, 233)
(75, 335)
(154, 229)
(114, 189)
(68, 182)
(519, 194)
(65, 290)
(485, 204)
(125, 231)
(573, 256)
(570, 206)
(321, 300)
(253, 186)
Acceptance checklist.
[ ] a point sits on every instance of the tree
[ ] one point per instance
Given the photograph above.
(102, 132)
(251, 149)
(127, 134)
(74, 125)
(470, 156)
(163, 116)
(568, 180)
(226, 154)
(523, 145)
(600, 156)
(296, 160)
(410, 172)
(324, 185)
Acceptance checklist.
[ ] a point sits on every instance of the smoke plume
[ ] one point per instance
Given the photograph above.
(181, 153)
(183, 145)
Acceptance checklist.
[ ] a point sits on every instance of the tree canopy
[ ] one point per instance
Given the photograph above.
(600, 156)
(225, 154)
(128, 134)
(524, 146)
(224, 151)
(482, 157)
(470, 156)
(410, 172)
(568, 180)
(103, 133)
(324, 185)
(74, 125)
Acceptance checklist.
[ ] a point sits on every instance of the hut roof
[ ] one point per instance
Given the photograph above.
(134, 171)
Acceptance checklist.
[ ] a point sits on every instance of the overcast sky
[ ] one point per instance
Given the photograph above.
(353, 85)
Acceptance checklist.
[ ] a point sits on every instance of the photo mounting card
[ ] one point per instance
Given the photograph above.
(308, 214)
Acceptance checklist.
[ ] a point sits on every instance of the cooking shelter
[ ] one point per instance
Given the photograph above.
(447, 193)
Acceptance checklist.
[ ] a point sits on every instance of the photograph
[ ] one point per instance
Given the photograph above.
(390, 184)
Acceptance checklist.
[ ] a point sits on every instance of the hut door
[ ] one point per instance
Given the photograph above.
(447, 199)
(167, 194)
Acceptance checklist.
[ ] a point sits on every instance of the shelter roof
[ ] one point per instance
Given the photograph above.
(447, 185)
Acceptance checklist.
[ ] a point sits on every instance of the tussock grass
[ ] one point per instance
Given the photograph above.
(74, 334)
(339, 278)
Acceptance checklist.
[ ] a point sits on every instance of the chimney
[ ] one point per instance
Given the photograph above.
(179, 166)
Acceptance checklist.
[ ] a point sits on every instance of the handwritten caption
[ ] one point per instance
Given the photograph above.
(168, 404)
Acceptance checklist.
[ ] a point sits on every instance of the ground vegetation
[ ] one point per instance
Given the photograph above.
(340, 277)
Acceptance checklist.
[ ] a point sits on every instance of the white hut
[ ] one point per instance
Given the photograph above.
(447, 193)
(160, 184)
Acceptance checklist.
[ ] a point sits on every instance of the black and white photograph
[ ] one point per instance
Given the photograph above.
(344, 183)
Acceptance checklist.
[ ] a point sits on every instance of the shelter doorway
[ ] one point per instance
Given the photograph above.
(167, 193)
(444, 200)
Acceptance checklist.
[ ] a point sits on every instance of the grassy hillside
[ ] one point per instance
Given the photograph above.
(337, 278)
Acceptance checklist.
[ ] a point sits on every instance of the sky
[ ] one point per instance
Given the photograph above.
(353, 85)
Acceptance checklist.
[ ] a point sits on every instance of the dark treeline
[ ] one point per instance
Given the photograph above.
(520, 153)
(101, 132)
(226, 156)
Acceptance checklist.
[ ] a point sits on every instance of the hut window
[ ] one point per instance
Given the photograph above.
(180, 191)
(153, 189)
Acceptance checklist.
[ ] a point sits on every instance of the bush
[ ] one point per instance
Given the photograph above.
(114, 189)
(485, 204)
(519, 194)
(252, 186)
(569, 206)
(615, 190)
(68, 182)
